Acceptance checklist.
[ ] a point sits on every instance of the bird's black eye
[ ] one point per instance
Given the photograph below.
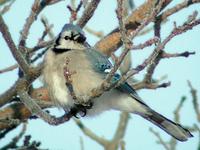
(67, 37)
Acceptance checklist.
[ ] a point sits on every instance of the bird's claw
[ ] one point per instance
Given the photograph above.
(80, 110)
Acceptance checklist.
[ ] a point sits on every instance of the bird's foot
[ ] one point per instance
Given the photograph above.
(80, 109)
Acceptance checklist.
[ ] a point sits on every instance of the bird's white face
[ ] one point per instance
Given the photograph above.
(70, 39)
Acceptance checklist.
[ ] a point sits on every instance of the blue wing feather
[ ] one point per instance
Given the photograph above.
(126, 88)
(100, 62)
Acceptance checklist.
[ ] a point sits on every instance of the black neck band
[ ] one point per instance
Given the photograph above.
(60, 50)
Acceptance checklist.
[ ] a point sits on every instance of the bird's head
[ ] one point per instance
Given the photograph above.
(71, 37)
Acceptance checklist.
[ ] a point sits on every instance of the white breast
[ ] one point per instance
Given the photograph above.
(55, 82)
(60, 91)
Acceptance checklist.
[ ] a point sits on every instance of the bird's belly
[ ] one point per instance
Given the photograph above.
(84, 82)
(60, 93)
(105, 102)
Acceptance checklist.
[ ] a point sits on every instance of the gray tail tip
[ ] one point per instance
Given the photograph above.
(187, 134)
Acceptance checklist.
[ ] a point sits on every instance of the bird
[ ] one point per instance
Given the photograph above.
(87, 68)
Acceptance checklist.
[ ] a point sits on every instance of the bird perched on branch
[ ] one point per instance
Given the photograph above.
(72, 70)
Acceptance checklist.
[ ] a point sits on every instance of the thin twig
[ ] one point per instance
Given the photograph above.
(178, 108)
(98, 34)
(6, 8)
(90, 134)
(195, 100)
(29, 21)
(145, 44)
(6, 131)
(122, 125)
(36, 109)
(10, 68)
(15, 52)
(184, 54)
(88, 12)
(145, 85)
(37, 7)
(82, 143)
(135, 33)
(47, 26)
(112, 41)
(21, 83)
(13, 143)
(41, 45)
(176, 8)
(173, 142)
(126, 41)
(74, 12)
(160, 140)
(156, 58)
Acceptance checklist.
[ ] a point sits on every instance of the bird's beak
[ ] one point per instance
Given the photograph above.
(81, 38)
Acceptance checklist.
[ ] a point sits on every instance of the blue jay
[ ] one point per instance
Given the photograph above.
(88, 66)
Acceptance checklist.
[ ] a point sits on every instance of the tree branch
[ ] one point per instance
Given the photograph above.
(15, 52)
(112, 41)
(88, 13)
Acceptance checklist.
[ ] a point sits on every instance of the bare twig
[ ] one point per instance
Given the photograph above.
(13, 143)
(144, 85)
(10, 68)
(145, 44)
(6, 131)
(45, 32)
(184, 54)
(37, 7)
(41, 45)
(81, 143)
(98, 34)
(39, 55)
(21, 83)
(10, 122)
(126, 64)
(90, 134)
(177, 8)
(6, 8)
(126, 41)
(47, 26)
(195, 100)
(15, 52)
(160, 140)
(173, 142)
(29, 21)
(122, 125)
(2, 2)
(112, 41)
(178, 108)
(74, 12)
(135, 33)
(176, 31)
(122, 145)
(36, 109)
(51, 2)
(88, 12)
